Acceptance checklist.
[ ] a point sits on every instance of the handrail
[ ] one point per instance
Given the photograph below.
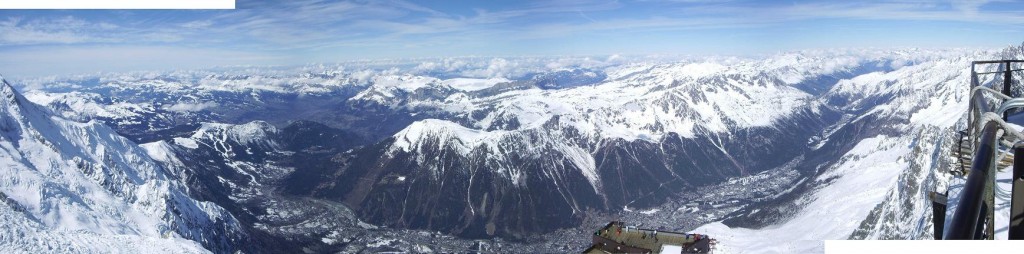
(996, 72)
(997, 61)
(976, 206)
(965, 220)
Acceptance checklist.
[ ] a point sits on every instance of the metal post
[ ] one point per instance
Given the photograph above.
(1007, 79)
(1016, 231)
(971, 107)
(938, 213)
(974, 76)
(968, 215)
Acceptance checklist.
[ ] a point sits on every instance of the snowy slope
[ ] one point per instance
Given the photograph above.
(85, 106)
(237, 157)
(83, 180)
(879, 188)
(833, 212)
(22, 234)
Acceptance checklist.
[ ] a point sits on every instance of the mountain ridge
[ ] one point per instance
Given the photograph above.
(76, 182)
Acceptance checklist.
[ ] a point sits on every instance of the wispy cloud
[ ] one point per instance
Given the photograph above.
(69, 30)
(958, 10)
(322, 30)
(313, 20)
(64, 30)
(197, 24)
(311, 24)
(45, 61)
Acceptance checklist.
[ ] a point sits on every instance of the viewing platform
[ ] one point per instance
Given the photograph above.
(616, 237)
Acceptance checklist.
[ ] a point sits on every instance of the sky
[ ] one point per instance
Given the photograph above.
(35, 43)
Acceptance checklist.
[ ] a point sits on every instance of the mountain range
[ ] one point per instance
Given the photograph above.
(823, 144)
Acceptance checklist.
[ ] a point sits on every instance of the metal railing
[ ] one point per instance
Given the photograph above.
(988, 130)
(971, 212)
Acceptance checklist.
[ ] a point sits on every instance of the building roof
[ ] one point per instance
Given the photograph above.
(615, 237)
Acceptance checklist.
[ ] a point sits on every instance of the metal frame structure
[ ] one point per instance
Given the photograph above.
(988, 131)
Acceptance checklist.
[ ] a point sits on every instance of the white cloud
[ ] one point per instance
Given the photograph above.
(198, 24)
(64, 31)
(64, 60)
(72, 30)
(956, 10)
(509, 67)
(969, 7)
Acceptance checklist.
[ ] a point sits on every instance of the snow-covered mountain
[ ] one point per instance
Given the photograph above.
(879, 189)
(79, 186)
(639, 138)
(747, 146)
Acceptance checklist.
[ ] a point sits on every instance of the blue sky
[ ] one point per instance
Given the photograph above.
(59, 42)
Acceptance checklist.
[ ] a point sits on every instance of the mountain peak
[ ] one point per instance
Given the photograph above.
(5, 88)
(421, 132)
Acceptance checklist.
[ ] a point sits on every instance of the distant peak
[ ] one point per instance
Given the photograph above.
(6, 89)
(3, 81)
